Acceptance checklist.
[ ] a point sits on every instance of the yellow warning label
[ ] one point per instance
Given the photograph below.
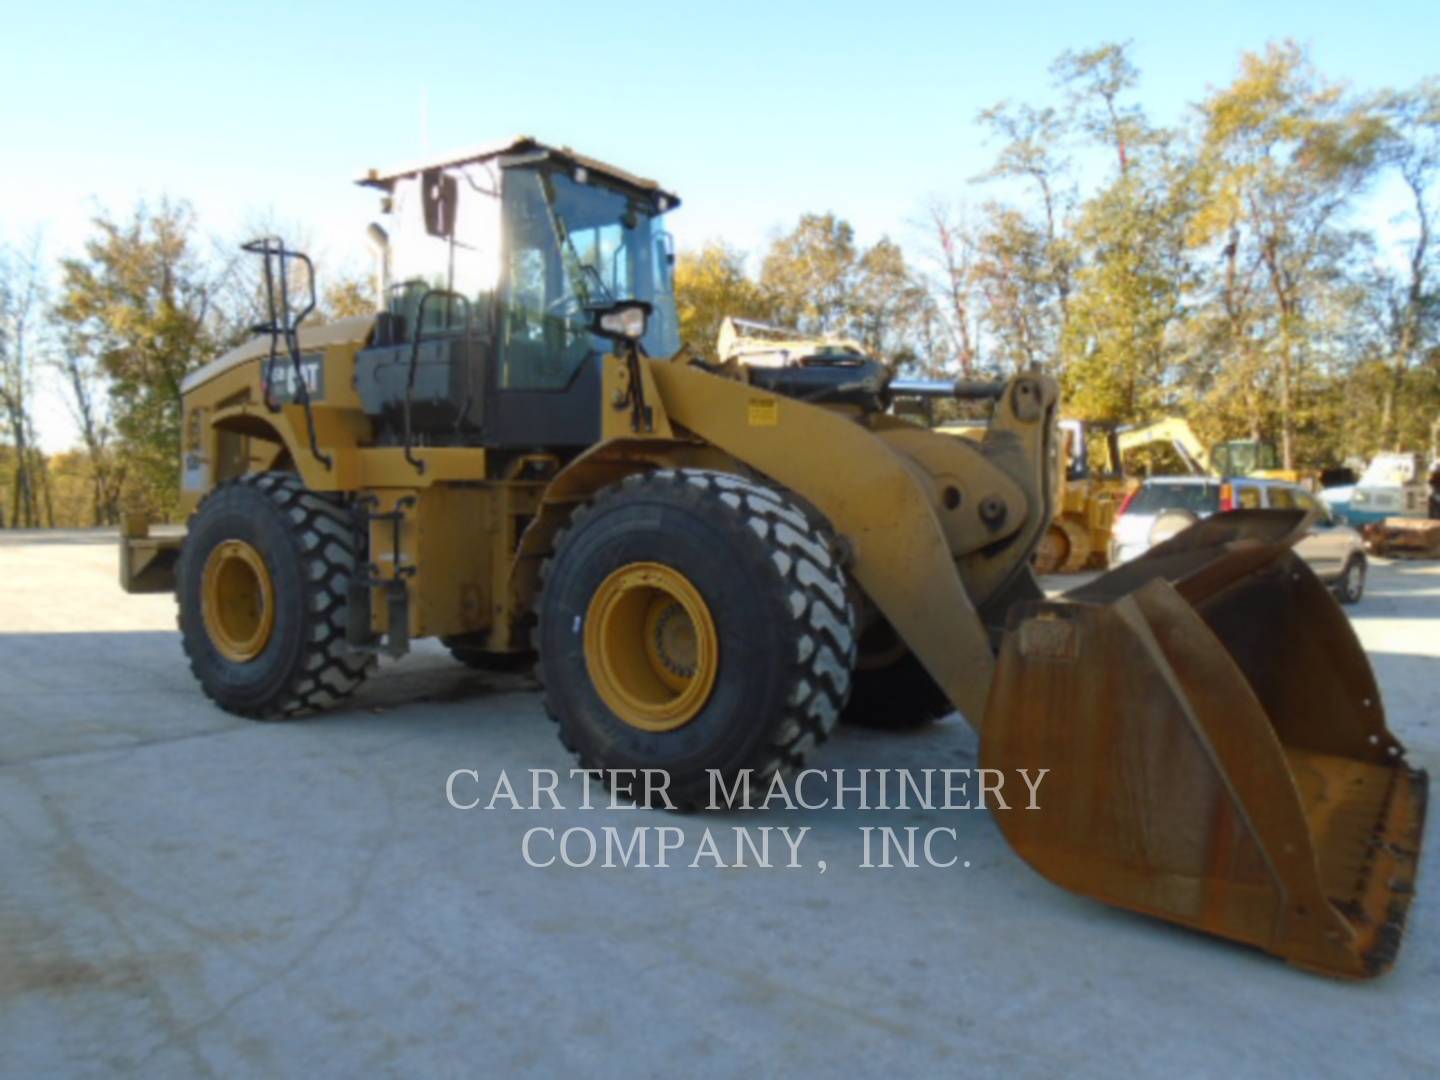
(764, 412)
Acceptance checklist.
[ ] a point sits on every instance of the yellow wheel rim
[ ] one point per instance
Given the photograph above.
(651, 646)
(238, 601)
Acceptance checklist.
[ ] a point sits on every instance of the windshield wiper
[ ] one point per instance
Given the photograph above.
(594, 274)
(578, 271)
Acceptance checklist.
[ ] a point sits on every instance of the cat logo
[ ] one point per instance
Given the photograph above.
(283, 380)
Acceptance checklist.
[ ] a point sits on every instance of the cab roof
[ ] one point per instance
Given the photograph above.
(385, 179)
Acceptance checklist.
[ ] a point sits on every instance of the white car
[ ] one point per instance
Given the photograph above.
(1165, 505)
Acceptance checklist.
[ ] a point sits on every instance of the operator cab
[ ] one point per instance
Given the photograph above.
(491, 268)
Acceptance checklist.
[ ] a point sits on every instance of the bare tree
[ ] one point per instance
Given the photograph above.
(1032, 142)
(952, 250)
(87, 389)
(1096, 79)
(1411, 304)
(21, 298)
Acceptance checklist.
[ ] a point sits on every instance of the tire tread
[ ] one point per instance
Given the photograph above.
(820, 631)
(329, 672)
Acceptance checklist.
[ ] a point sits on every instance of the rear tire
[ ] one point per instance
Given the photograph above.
(750, 574)
(482, 659)
(302, 547)
(1064, 548)
(1077, 558)
(1052, 551)
(892, 694)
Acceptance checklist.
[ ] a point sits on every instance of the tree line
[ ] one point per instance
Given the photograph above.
(118, 327)
(1220, 268)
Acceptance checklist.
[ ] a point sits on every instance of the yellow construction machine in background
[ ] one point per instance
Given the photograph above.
(1099, 472)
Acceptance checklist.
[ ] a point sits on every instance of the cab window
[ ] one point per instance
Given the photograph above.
(574, 242)
(1281, 499)
(1247, 497)
(545, 333)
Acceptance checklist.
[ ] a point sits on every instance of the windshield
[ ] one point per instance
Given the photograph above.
(572, 240)
(1241, 457)
(1157, 496)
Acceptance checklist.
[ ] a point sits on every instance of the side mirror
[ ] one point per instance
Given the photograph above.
(625, 321)
(440, 193)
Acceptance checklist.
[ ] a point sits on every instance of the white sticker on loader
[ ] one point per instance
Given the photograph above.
(195, 473)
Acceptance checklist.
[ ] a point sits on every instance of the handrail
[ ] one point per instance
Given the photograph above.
(281, 323)
(414, 364)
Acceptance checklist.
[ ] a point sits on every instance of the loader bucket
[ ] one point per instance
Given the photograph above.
(1217, 749)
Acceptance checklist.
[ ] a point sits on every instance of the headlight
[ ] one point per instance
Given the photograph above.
(622, 322)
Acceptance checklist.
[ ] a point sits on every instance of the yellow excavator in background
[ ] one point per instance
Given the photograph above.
(1235, 457)
(1096, 481)
(712, 563)
(1172, 431)
(1093, 486)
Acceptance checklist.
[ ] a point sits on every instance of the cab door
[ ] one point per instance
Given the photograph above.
(546, 382)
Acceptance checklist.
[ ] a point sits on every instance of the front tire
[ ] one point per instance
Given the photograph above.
(694, 620)
(261, 584)
(1351, 586)
(1064, 548)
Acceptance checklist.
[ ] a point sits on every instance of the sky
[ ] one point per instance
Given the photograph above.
(753, 112)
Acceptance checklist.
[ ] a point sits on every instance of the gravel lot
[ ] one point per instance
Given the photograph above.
(183, 893)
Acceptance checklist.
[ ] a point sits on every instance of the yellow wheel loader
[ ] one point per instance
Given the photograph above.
(514, 456)
(1091, 488)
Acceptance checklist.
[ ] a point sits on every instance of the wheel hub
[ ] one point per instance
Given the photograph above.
(651, 646)
(238, 601)
(674, 639)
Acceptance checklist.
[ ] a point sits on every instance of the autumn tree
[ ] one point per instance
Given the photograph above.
(711, 284)
(818, 280)
(1128, 242)
(1282, 154)
(138, 306)
(809, 274)
(345, 295)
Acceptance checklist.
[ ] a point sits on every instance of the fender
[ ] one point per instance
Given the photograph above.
(603, 464)
(243, 420)
(871, 495)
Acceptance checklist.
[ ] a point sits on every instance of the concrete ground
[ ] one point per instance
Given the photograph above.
(183, 893)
